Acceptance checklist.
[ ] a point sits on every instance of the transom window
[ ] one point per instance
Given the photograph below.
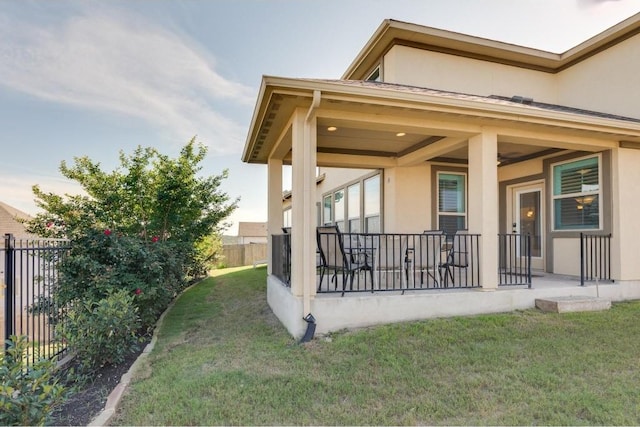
(576, 194)
(452, 203)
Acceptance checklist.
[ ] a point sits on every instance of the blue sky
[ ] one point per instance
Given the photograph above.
(94, 78)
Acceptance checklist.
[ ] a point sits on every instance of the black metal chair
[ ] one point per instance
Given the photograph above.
(390, 261)
(426, 256)
(458, 256)
(334, 258)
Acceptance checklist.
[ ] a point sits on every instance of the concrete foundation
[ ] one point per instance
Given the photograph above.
(356, 310)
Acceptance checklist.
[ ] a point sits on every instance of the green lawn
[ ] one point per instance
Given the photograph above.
(222, 358)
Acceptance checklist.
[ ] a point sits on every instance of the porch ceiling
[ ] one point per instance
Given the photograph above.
(410, 125)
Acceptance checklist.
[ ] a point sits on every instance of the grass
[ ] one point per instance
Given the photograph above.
(222, 358)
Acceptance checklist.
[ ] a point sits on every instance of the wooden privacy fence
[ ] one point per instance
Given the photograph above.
(247, 254)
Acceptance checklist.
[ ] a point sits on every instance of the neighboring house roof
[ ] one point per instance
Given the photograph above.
(392, 32)
(252, 229)
(9, 221)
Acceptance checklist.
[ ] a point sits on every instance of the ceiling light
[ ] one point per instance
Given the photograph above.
(400, 134)
(332, 128)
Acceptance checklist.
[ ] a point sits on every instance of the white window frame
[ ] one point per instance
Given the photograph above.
(466, 201)
(286, 217)
(376, 69)
(574, 195)
(345, 189)
(325, 220)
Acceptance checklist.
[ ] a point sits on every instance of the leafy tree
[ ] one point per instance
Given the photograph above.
(145, 227)
(150, 195)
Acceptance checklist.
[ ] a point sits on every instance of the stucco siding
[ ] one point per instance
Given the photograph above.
(607, 82)
(407, 204)
(416, 67)
(566, 256)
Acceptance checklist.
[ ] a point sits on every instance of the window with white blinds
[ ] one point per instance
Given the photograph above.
(452, 205)
(577, 194)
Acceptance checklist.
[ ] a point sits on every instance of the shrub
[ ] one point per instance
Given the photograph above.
(27, 396)
(101, 262)
(102, 332)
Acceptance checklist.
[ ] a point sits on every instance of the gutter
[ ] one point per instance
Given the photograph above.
(306, 295)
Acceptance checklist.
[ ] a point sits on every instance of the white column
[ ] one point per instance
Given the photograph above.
(303, 208)
(625, 245)
(483, 203)
(274, 203)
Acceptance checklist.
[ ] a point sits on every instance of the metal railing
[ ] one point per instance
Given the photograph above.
(281, 257)
(514, 252)
(595, 257)
(356, 262)
(30, 273)
(359, 262)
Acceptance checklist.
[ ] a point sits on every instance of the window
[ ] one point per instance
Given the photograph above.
(372, 204)
(375, 75)
(287, 218)
(452, 206)
(327, 207)
(338, 204)
(576, 194)
(353, 207)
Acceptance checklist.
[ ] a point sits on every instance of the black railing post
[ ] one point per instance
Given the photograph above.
(581, 259)
(609, 256)
(529, 260)
(9, 284)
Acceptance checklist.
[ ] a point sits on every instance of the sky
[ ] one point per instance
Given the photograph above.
(96, 78)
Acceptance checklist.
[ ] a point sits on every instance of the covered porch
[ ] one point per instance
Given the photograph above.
(408, 134)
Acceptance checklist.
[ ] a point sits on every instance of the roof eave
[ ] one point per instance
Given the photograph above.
(391, 33)
(511, 111)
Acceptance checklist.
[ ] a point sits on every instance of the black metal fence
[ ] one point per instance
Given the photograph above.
(29, 274)
(595, 257)
(514, 252)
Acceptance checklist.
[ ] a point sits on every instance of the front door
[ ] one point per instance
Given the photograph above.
(527, 217)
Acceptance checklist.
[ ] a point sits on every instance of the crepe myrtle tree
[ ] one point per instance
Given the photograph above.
(145, 228)
(149, 195)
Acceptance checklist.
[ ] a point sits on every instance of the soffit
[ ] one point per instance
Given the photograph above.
(369, 117)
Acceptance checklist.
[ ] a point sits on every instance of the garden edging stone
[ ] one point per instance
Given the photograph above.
(103, 418)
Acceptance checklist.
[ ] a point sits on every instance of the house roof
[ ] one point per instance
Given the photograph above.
(391, 33)
(405, 109)
(9, 220)
(252, 229)
(492, 99)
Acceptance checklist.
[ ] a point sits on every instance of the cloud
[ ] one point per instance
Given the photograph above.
(16, 189)
(115, 61)
(589, 3)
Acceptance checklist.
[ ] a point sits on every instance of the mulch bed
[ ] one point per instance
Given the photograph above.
(89, 400)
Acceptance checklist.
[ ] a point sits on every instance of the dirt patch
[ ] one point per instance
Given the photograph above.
(89, 400)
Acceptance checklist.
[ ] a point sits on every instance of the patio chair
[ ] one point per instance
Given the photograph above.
(334, 258)
(458, 256)
(390, 257)
(426, 256)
